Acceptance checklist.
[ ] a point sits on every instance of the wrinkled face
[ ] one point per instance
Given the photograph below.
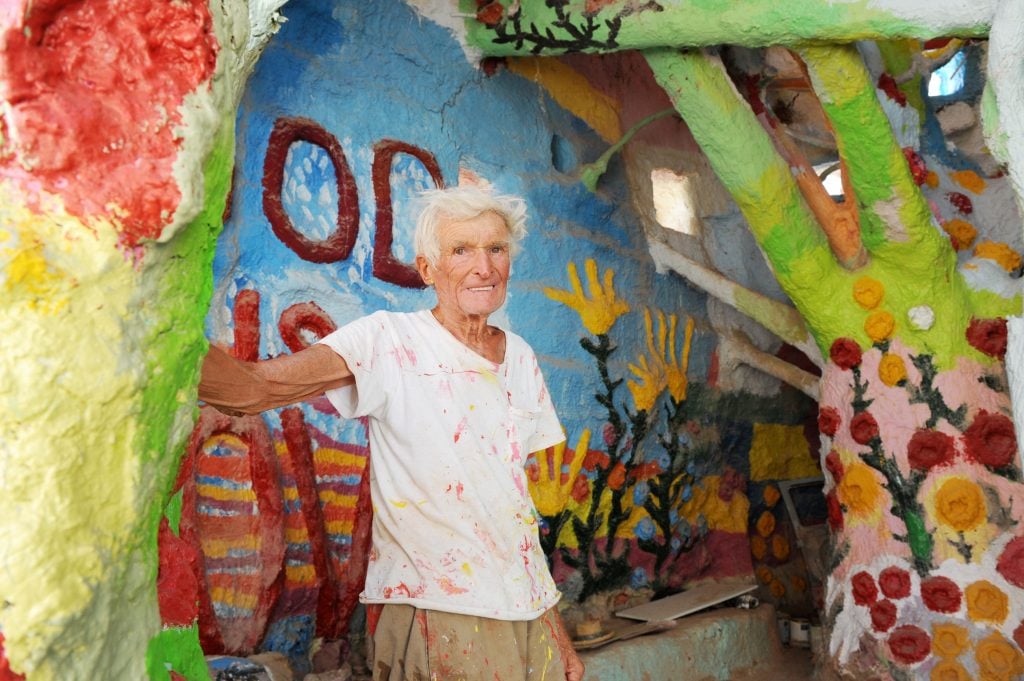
(471, 275)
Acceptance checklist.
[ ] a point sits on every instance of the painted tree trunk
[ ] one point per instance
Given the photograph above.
(922, 477)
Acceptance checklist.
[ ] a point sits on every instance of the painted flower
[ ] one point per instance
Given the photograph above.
(909, 644)
(883, 615)
(845, 353)
(1018, 635)
(879, 325)
(771, 495)
(645, 529)
(998, 658)
(868, 292)
(580, 489)
(949, 640)
(962, 232)
(986, 602)
(595, 459)
(941, 594)
(892, 369)
(988, 336)
(859, 490)
(863, 428)
(765, 574)
(863, 588)
(490, 14)
(799, 583)
(598, 312)
(949, 670)
(777, 588)
(766, 523)
(835, 511)
(990, 439)
(617, 476)
(828, 420)
(917, 166)
(758, 547)
(638, 578)
(894, 582)
(1011, 562)
(1000, 253)
(640, 492)
(961, 202)
(780, 547)
(930, 448)
(960, 504)
(834, 465)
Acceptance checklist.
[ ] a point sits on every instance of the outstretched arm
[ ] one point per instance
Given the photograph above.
(251, 387)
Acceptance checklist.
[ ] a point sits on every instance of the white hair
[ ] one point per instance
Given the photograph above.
(464, 203)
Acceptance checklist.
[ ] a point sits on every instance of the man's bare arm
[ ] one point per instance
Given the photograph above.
(252, 387)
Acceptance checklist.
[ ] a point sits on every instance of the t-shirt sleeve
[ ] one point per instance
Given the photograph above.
(366, 345)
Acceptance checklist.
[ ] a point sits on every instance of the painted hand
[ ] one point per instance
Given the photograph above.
(598, 312)
(550, 484)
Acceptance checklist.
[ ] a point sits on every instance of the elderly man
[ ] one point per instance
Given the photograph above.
(457, 585)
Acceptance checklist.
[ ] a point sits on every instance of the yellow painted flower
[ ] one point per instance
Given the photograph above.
(960, 504)
(771, 495)
(1001, 253)
(961, 230)
(892, 369)
(859, 490)
(777, 588)
(665, 369)
(551, 489)
(652, 381)
(949, 640)
(949, 670)
(986, 602)
(758, 547)
(998, 659)
(799, 583)
(598, 312)
(764, 574)
(780, 547)
(969, 180)
(879, 325)
(766, 524)
(868, 292)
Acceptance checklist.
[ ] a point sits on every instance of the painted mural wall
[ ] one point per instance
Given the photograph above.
(352, 110)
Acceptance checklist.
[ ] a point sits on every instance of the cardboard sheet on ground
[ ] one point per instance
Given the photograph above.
(690, 601)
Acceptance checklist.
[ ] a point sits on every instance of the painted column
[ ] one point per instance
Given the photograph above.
(115, 162)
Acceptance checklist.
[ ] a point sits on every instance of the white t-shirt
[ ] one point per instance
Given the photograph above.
(454, 527)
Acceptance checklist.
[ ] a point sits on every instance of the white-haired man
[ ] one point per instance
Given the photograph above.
(457, 586)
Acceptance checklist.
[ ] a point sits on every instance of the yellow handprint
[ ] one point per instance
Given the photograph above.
(599, 312)
(550, 490)
(665, 370)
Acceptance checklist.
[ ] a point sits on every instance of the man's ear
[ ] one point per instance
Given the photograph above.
(423, 267)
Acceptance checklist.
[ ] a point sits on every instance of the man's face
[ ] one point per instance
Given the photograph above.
(471, 275)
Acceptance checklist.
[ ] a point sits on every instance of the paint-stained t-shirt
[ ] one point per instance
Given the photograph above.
(454, 527)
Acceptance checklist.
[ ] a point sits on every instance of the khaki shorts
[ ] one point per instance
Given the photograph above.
(410, 644)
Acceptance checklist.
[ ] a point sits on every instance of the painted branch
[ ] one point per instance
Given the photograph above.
(734, 349)
(779, 318)
(540, 27)
(894, 208)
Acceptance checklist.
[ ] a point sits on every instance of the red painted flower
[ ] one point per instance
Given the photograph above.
(909, 644)
(828, 420)
(490, 14)
(863, 428)
(888, 85)
(835, 511)
(864, 590)
(1018, 635)
(645, 471)
(990, 439)
(894, 582)
(941, 594)
(883, 615)
(581, 489)
(595, 459)
(988, 336)
(617, 477)
(834, 465)
(845, 353)
(917, 166)
(930, 448)
(1011, 562)
(961, 202)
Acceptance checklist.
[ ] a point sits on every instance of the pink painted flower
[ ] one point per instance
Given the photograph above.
(990, 439)
(909, 644)
(863, 428)
(930, 448)
(988, 336)
(883, 615)
(941, 594)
